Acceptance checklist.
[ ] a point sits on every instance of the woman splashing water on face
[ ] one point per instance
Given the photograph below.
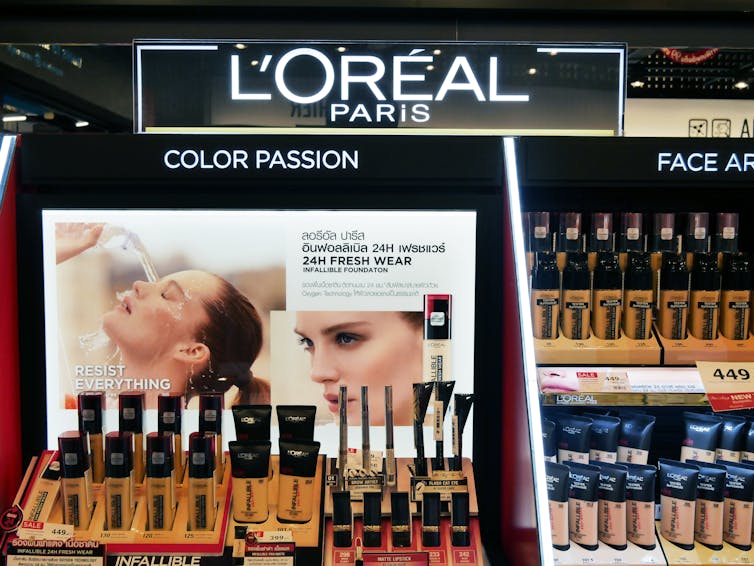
(192, 328)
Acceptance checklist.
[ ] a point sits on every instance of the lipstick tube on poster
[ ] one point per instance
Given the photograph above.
(575, 298)
(630, 237)
(211, 422)
(539, 236)
(704, 297)
(696, 237)
(90, 406)
(545, 296)
(342, 519)
(569, 238)
(607, 297)
(201, 482)
(400, 519)
(459, 519)
(637, 297)
(422, 393)
(131, 419)
(366, 452)
(431, 519)
(735, 296)
(601, 237)
(75, 479)
(160, 488)
(372, 520)
(390, 467)
(673, 297)
(169, 416)
(119, 480)
(443, 393)
(662, 239)
(343, 435)
(461, 409)
(437, 337)
(725, 240)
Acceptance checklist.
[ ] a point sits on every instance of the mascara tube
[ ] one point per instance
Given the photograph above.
(91, 404)
(343, 433)
(443, 393)
(365, 448)
(372, 522)
(390, 467)
(422, 393)
(461, 408)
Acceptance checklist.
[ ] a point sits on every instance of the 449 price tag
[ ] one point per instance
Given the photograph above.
(729, 386)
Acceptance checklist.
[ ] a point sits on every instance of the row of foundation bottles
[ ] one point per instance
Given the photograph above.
(705, 292)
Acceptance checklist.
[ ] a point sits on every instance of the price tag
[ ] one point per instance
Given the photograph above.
(729, 386)
(47, 531)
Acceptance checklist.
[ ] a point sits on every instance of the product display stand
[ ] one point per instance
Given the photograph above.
(632, 556)
(593, 350)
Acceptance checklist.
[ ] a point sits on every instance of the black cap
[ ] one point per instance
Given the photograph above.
(90, 411)
(211, 412)
(737, 272)
(201, 459)
(696, 236)
(663, 232)
(576, 272)
(569, 232)
(601, 232)
(639, 272)
(674, 276)
(631, 235)
(437, 317)
(726, 232)
(159, 454)
(540, 239)
(131, 411)
(607, 274)
(545, 274)
(705, 276)
(119, 447)
(74, 459)
(169, 407)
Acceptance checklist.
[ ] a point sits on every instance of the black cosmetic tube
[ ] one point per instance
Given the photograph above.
(701, 437)
(372, 520)
(422, 393)
(574, 438)
(342, 519)
(640, 505)
(558, 486)
(431, 519)
(459, 519)
(296, 422)
(604, 438)
(710, 487)
(678, 483)
(252, 421)
(443, 393)
(400, 519)
(635, 437)
(550, 440)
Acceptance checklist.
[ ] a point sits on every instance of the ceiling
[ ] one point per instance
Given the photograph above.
(59, 86)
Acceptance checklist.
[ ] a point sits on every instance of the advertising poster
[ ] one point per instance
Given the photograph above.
(266, 306)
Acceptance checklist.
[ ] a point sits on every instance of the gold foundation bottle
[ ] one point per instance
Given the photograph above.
(574, 298)
(696, 237)
(663, 239)
(673, 297)
(704, 297)
(637, 297)
(607, 297)
(601, 237)
(735, 296)
(569, 237)
(545, 296)
(725, 240)
(630, 238)
(539, 236)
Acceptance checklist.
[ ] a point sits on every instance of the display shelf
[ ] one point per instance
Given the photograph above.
(592, 350)
(632, 556)
(701, 555)
(691, 350)
(605, 385)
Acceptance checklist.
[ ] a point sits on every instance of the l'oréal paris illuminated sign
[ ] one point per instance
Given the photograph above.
(516, 88)
(389, 95)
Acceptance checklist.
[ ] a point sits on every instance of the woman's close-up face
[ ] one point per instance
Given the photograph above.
(153, 319)
(363, 348)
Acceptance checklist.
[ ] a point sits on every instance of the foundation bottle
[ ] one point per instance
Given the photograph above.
(696, 237)
(704, 297)
(607, 297)
(673, 297)
(545, 296)
(662, 239)
(725, 240)
(630, 238)
(569, 238)
(637, 297)
(735, 296)
(601, 237)
(574, 298)
(539, 236)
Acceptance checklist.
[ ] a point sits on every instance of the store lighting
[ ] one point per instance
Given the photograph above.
(436, 52)
(430, 67)
(637, 84)
(741, 85)
(49, 115)
(240, 46)
(81, 123)
(532, 71)
(341, 49)
(254, 63)
(553, 52)
(14, 118)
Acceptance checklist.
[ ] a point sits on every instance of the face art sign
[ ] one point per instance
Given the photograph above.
(451, 87)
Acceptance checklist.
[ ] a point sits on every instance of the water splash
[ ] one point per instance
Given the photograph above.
(119, 237)
(97, 341)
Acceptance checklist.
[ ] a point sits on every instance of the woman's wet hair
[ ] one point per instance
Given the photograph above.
(233, 334)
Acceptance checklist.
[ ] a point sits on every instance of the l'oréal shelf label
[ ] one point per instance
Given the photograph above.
(502, 88)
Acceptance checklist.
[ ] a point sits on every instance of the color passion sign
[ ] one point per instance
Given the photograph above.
(499, 88)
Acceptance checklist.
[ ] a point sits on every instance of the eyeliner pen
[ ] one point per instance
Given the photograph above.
(365, 450)
(389, 441)
(343, 424)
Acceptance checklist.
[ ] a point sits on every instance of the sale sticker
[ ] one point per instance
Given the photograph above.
(729, 385)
